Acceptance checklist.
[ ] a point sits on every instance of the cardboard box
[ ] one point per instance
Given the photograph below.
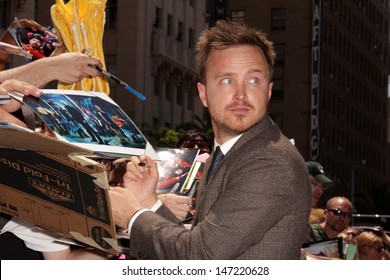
(54, 185)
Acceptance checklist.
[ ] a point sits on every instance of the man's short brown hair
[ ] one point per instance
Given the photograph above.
(226, 34)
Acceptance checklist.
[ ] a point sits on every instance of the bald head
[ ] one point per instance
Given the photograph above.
(339, 202)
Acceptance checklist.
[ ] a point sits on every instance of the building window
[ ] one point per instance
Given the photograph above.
(278, 18)
(191, 41)
(157, 85)
(4, 14)
(111, 14)
(157, 18)
(170, 25)
(238, 16)
(179, 95)
(168, 89)
(179, 36)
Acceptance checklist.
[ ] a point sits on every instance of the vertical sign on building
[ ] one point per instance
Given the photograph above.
(315, 82)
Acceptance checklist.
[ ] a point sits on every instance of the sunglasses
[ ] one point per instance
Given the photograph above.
(339, 213)
(201, 144)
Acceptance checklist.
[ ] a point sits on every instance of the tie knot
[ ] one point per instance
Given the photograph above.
(218, 156)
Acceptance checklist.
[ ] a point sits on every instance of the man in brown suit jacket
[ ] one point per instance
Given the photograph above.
(257, 203)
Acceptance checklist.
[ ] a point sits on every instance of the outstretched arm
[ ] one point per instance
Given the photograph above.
(66, 67)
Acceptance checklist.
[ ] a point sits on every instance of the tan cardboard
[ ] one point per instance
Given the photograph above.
(61, 191)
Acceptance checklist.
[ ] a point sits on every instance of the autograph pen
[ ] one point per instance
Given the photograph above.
(119, 82)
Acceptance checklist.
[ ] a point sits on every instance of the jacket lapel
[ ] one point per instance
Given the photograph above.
(208, 194)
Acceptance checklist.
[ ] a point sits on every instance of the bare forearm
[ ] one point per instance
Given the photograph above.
(36, 73)
(67, 68)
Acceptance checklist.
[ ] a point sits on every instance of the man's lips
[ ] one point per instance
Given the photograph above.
(240, 109)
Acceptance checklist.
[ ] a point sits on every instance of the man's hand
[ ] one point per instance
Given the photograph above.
(178, 204)
(141, 179)
(123, 205)
(72, 67)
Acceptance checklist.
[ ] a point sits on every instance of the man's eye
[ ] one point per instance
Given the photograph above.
(253, 81)
(226, 81)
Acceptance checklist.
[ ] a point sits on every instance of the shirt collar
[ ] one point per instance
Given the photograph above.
(225, 147)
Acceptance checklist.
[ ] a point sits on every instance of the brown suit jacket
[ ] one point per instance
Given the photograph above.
(256, 206)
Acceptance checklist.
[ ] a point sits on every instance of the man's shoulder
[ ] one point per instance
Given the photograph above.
(316, 227)
(318, 232)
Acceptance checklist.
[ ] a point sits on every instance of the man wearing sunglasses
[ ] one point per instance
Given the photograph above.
(338, 214)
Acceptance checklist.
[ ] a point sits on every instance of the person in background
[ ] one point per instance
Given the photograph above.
(349, 234)
(337, 216)
(316, 216)
(256, 203)
(318, 180)
(195, 139)
(370, 247)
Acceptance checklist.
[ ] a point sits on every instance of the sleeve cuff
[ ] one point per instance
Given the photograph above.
(135, 216)
(156, 205)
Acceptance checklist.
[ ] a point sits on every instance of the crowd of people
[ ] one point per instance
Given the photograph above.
(257, 195)
(372, 243)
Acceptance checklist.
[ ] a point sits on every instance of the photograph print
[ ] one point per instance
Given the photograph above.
(88, 119)
(38, 44)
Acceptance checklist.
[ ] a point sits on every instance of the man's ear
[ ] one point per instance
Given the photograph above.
(270, 86)
(202, 93)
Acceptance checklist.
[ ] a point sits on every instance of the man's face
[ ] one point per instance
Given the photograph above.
(237, 90)
(317, 189)
(35, 43)
(338, 215)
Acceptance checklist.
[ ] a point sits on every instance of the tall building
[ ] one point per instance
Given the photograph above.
(148, 44)
(330, 85)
